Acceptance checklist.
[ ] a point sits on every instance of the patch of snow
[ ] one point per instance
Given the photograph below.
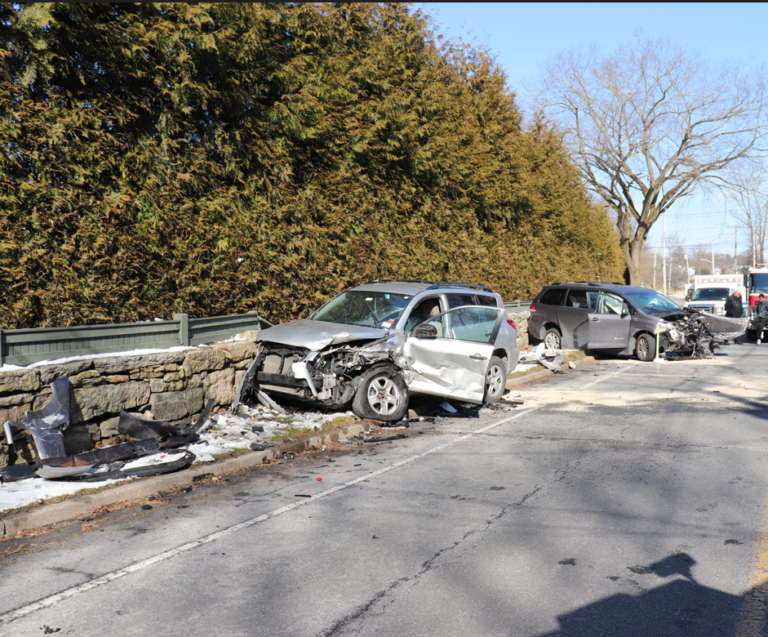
(24, 492)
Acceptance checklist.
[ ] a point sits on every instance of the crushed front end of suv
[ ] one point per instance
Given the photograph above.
(373, 345)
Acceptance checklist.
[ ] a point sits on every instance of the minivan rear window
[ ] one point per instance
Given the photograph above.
(552, 297)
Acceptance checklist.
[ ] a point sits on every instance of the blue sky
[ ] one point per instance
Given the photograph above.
(525, 35)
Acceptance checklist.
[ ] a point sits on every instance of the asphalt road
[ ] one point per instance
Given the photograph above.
(620, 499)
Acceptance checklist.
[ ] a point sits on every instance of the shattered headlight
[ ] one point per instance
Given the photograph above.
(669, 329)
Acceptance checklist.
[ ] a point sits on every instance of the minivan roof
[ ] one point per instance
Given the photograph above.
(605, 285)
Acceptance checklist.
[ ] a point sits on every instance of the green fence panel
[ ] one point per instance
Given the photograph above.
(218, 328)
(22, 347)
(517, 306)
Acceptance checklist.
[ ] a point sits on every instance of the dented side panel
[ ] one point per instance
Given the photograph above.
(448, 367)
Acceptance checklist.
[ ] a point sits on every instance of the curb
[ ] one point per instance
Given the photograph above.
(47, 514)
(521, 380)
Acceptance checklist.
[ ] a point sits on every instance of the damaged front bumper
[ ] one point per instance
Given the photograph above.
(328, 377)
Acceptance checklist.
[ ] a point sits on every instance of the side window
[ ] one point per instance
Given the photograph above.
(423, 310)
(577, 298)
(467, 324)
(486, 300)
(552, 297)
(457, 300)
(610, 304)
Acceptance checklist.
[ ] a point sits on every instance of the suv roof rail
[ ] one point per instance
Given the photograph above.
(434, 284)
(597, 283)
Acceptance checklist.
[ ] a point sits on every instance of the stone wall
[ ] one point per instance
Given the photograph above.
(167, 386)
(521, 320)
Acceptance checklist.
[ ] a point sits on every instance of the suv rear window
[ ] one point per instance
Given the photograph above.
(486, 300)
(552, 297)
(459, 300)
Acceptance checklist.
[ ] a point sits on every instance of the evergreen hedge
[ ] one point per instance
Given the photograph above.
(214, 159)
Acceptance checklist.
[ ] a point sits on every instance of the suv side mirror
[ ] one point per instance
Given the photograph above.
(425, 330)
(624, 310)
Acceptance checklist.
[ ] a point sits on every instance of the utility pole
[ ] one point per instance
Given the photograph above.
(713, 258)
(687, 269)
(735, 247)
(664, 257)
(655, 250)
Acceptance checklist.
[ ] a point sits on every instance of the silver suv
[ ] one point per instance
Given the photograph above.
(373, 344)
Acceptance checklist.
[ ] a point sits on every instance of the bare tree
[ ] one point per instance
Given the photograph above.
(649, 124)
(748, 189)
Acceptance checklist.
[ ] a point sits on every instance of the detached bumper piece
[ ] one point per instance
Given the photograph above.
(169, 436)
(137, 458)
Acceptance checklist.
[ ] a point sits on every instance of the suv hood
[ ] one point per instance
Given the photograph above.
(316, 335)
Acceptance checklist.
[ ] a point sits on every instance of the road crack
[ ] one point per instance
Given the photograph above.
(382, 599)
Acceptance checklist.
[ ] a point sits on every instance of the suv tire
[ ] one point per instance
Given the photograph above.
(495, 380)
(552, 339)
(645, 347)
(381, 395)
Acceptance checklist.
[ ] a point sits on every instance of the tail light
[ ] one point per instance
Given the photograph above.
(512, 323)
(533, 308)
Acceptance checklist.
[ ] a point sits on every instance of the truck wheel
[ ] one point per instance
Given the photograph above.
(552, 339)
(495, 380)
(381, 395)
(645, 348)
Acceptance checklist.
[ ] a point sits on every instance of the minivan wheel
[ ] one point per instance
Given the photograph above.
(645, 348)
(495, 380)
(552, 338)
(381, 395)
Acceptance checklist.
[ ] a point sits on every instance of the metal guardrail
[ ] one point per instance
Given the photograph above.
(518, 306)
(22, 347)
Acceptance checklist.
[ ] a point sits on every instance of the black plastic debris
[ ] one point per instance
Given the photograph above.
(387, 439)
(81, 463)
(146, 507)
(16, 472)
(117, 470)
(202, 476)
(569, 561)
(46, 425)
(171, 435)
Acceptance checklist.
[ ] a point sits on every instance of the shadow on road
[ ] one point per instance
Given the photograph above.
(681, 607)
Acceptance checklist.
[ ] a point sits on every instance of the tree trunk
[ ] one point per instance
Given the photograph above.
(633, 257)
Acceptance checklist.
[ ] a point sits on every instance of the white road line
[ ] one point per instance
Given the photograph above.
(46, 602)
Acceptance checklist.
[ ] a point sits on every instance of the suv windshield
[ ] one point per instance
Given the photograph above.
(370, 309)
(710, 294)
(652, 302)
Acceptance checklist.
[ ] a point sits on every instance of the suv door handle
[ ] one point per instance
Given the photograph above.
(595, 319)
(479, 357)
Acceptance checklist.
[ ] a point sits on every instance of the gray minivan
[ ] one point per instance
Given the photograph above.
(610, 317)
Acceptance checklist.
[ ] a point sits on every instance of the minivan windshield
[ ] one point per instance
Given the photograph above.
(652, 302)
(710, 294)
(369, 309)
